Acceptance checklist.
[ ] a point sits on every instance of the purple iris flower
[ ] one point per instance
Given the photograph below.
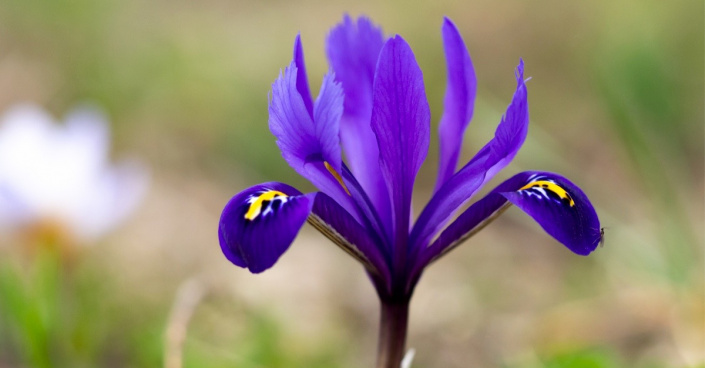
(373, 104)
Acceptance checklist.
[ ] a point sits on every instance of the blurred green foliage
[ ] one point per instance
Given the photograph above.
(584, 359)
(647, 102)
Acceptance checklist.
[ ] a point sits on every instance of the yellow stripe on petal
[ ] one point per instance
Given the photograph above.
(552, 187)
(256, 203)
(336, 176)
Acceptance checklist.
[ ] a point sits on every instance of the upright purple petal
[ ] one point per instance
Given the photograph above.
(559, 206)
(259, 224)
(401, 122)
(353, 48)
(301, 77)
(459, 101)
(326, 118)
(494, 156)
(309, 142)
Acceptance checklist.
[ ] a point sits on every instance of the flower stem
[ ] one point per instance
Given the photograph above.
(392, 332)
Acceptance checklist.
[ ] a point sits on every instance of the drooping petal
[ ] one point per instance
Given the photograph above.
(353, 48)
(562, 210)
(259, 224)
(401, 122)
(559, 206)
(494, 156)
(459, 101)
(310, 143)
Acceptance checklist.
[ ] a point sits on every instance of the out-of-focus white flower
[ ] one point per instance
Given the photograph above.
(60, 174)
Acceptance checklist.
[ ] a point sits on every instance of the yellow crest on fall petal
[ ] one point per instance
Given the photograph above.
(258, 202)
(547, 185)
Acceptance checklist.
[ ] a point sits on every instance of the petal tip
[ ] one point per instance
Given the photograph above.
(448, 24)
(298, 47)
(519, 72)
(583, 251)
(560, 207)
(397, 41)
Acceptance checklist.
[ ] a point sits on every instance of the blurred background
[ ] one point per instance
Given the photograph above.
(616, 101)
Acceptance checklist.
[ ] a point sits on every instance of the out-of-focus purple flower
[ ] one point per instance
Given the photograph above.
(373, 105)
(60, 174)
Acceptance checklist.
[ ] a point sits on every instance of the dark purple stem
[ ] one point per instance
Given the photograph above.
(392, 333)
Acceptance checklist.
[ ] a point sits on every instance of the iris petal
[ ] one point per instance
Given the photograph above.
(562, 210)
(301, 77)
(558, 205)
(309, 141)
(493, 157)
(459, 101)
(326, 117)
(259, 224)
(353, 48)
(401, 122)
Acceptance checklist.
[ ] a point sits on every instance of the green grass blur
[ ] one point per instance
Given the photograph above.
(616, 100)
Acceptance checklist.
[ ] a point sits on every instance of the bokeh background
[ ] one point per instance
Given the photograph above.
(616, 103)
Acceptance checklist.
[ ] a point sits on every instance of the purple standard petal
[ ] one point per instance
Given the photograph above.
(326, 119)
(353, 48)
(310, 143)
(259, 224)
(401, 121)
(459, 101)
(301, 77)
(558, 205)
(494, 156)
